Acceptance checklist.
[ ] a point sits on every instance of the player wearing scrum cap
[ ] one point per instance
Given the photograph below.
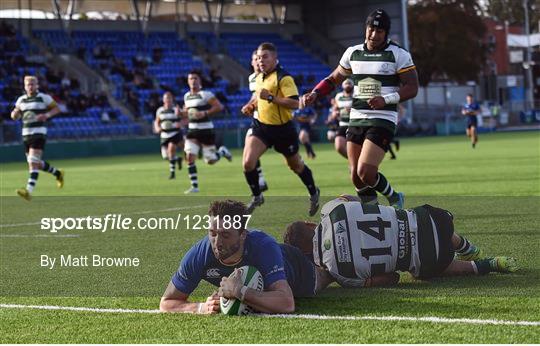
(198, 106)
(384, 75)
(35, 108)
(168, 125)
(363, 245)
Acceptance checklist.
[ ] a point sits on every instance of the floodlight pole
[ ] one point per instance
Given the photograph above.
(528, 67)
(147, 16)
(58, 13)
(219, 17)
(135, 8)
(405, 33)
(274, 15)
(70, 10)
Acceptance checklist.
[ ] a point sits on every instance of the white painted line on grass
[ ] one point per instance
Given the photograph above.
(39, 235)
(77, 308)
(133, 213)
(409, 319)
(430, 319)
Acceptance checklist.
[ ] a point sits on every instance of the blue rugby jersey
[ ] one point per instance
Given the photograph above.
(274, 261)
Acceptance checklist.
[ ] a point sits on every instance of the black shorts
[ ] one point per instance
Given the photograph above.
(204, 137)
(300, 271)
(283, 138)
(304, 126)
(378, 135)
(472, 120)
(342, 131)
(177, 138)
(34, 142)
(431, 263)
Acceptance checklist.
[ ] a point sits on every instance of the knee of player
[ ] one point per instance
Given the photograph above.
(248, 165)
(367, 173)
(34, 161)
(297, 166)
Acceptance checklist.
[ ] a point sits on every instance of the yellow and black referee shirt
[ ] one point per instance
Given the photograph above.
(279, 83)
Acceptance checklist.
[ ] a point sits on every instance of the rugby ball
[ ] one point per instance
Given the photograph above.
(29, 116)
(191, 113)
(251, 278)
(167, 125)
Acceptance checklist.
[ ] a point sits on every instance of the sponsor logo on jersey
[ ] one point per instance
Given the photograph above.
(341, 241)
(385, 68)
(213, 273)
(342, 247)
(413, 237)
(340, 228)
(327, 244)
(402, 239)
(367, 88)
(275, 269)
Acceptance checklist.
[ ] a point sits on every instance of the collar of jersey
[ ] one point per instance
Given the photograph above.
(278, 67)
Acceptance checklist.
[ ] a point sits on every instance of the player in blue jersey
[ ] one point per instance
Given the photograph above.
(471, 109)
(286, 272)
(305, 117)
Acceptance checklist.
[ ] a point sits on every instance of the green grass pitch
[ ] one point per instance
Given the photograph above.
(493, 191)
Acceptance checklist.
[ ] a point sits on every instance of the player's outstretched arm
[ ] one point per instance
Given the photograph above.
(325, 86)
(175, 301)
(276, 299)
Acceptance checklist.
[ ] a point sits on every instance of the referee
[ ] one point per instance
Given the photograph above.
(275, 99)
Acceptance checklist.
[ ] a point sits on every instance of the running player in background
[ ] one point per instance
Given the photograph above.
(471, 109)
(384, 75)
(363, 245)
(253, 88)
(169, 126)
(342, 108)
(35, 108)
(275, 100)
(305, 117)
(395, 140)
(332, 124)
(198, 106)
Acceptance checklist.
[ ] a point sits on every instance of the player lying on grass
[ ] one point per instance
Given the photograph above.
(287, 273)
(363, 245)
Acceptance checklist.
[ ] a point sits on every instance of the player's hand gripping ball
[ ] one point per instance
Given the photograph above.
(248, 276)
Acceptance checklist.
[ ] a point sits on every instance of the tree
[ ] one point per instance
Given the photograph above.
(446, 39)
(512, 12)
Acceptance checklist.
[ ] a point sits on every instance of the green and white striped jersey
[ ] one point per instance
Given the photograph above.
(356, 241)
(344, 105)
(198, 102)
(168, 121)
(375, 73)
(31, 107)
(252, 79)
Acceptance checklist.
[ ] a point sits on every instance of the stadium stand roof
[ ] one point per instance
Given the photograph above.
(199, 11)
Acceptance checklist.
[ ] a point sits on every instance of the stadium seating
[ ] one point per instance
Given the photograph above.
(177, 60)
